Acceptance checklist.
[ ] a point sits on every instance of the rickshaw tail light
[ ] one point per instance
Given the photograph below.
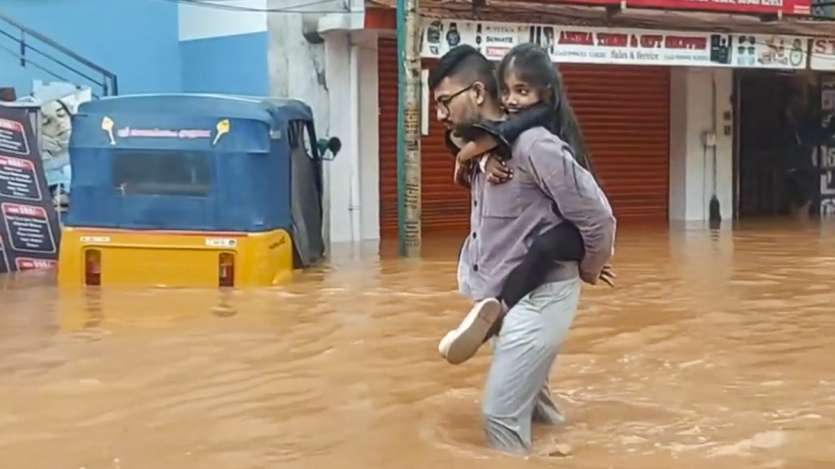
(92, 267)
(226, 270)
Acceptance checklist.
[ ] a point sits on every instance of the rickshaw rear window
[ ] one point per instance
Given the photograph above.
(162, 172)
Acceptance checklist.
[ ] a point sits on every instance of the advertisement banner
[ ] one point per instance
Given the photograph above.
(579, 44)
(29, 229)
(823, 54)
(632, 47)
(4, 260)
(769, 51)
(827, 181)
(759, 7)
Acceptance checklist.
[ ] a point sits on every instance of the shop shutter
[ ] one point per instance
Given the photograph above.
(387, 102)
(624, 113)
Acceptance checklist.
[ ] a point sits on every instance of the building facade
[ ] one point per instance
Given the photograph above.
(680, 101)
(676, 104)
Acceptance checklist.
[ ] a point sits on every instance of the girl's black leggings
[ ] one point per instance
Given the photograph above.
(561, 243)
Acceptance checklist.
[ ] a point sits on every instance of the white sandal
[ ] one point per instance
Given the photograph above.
(461, 343)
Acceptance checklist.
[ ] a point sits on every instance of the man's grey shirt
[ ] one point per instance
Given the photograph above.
(506, 218)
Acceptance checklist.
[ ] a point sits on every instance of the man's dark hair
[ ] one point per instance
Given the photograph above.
(468, 64)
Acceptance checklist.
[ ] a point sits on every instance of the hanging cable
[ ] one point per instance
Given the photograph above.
(296, 8)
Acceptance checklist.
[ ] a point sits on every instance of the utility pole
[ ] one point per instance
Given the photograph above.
(408, 128)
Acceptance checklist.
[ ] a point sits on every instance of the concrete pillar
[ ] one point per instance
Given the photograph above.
(369, 136)
(692, 104)
(343, 185)
(353, 186)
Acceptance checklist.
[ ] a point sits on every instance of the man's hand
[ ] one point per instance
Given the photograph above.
(608, 275)
(497, 170)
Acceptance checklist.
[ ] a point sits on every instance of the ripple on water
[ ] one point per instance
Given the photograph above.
(713, 350)
(451, 422)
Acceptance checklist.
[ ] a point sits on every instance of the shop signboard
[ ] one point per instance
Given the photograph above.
(29, 229)
(827, 181)
(822, 54)
(826, 153)
(754, 7)
(580, 44)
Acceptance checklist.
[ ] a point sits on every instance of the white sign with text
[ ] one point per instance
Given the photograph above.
(580, 44)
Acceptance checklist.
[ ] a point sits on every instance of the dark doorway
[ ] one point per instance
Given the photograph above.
(772, 110)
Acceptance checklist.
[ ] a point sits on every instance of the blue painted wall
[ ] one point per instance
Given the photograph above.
(227, 64)
(136, 39)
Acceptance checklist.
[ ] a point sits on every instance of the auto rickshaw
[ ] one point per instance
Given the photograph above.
(192, 190)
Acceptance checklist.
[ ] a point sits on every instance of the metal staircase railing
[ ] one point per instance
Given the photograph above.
(33, 49)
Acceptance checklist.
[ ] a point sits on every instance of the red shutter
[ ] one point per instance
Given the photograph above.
(387, 127)
(625, 113)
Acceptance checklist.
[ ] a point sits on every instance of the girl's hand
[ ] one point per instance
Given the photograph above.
(467, 154)
(475, 148)
(461, 174)
(497, 170)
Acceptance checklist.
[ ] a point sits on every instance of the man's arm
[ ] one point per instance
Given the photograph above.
(579, 200)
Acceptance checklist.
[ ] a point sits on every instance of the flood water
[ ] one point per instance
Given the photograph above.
(715, 350)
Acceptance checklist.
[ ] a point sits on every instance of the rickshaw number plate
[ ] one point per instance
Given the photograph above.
(221, 242)
(95, 239)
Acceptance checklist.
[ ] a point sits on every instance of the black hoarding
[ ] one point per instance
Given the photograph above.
(29, 229)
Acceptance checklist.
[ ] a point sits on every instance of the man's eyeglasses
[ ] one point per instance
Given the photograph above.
(444, 101)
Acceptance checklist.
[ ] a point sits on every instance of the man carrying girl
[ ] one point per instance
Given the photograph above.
(522, 262)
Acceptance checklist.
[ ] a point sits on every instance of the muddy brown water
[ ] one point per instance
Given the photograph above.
(715, 350)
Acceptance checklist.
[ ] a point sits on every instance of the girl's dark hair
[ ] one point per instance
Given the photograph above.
(533, 65)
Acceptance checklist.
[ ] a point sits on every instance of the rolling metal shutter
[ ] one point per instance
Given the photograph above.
(387, 102)
(625, 115)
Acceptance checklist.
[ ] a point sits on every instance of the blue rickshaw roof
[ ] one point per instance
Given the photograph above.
(265, 109)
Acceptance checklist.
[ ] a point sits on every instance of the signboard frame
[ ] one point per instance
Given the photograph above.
(28, 220)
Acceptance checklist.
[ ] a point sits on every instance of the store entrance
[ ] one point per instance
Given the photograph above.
(775, 168)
